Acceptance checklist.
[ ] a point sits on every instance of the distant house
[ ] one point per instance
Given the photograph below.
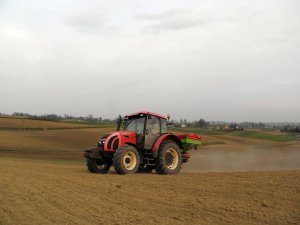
(183, 125)
(225, 127)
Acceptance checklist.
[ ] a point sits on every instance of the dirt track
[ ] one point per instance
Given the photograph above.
(41, 192)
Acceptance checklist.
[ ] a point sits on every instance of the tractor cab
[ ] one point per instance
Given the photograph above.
(147, 126)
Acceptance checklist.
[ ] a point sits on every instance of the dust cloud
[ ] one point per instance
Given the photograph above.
(244, 159)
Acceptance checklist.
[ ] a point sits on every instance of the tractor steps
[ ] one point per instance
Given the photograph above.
(148, 157)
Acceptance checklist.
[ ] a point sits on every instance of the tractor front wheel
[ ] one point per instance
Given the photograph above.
(126, 160)
(97, 165)
(169, 158)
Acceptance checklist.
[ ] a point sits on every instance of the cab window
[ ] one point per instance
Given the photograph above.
(153, 125)
(164, 128)
(136, 125)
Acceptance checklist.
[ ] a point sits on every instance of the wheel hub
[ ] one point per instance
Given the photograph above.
(100, 164)
(171, 158)
(129, 160)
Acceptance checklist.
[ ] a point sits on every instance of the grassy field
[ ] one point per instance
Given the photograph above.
(263, 136)
(254, 133)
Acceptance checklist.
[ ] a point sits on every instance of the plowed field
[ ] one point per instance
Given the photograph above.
(229, 180)
(43, 192)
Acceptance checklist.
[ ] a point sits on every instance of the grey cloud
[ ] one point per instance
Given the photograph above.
(87, 21)
(92, 57)
(280, 38)
(275, 40)
(283, 37)
(175, 25)
(171, 20)
(164, 15)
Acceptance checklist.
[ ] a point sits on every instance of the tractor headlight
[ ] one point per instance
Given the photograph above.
(101, 142)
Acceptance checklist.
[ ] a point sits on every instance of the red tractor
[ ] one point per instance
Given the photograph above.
(143, 145)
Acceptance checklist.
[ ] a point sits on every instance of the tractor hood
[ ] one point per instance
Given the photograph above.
(112, 141)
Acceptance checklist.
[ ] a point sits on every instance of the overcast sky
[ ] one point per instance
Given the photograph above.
(212, 59)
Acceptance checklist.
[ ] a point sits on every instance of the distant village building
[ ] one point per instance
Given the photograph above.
(225, 127)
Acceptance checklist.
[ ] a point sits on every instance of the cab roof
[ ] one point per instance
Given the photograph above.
(147, 113)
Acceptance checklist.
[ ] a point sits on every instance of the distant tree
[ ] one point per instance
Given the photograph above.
(290, 128)
(66, 116)
(20, 114)
(90, 117)
(202, 123)
(52, 116)
(233, 126)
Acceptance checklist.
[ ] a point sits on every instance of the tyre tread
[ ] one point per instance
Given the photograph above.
(161, 167)
(92, 167)
(117, 160)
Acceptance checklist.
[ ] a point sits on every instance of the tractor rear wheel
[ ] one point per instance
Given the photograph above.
(97, 165)
(126, 160)
(169, 158)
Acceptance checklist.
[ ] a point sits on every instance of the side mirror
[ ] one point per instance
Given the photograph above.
(119, 122)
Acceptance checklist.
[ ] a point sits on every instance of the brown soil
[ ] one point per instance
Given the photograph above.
(41, 192)
(24, 123)
(63, 192)
(59, 144)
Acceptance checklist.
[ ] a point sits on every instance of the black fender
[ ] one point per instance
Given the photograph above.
(93, 153)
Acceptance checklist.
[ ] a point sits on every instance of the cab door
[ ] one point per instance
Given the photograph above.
(152, 131)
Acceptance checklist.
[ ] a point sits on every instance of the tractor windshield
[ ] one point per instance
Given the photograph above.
(135, 124)
(164, 127)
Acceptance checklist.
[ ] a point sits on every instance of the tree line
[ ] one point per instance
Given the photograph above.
(55, 117)
(201, 123)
